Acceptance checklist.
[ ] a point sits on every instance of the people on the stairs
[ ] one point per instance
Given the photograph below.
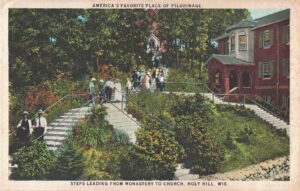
(118, 90)
(101, 88)
(40, 126)
(109, 85)
(24, 129)
(135, 80)
(92, 91)
(147, 81)
(161, 81)
(128, 86)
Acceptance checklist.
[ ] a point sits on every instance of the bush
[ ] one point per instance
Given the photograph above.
(203, 109)
(100, 165)
(35, 162)
(95, 131)
(69, 165)
(236, 109)
(202, 155)
(155, 155)
(193, 117)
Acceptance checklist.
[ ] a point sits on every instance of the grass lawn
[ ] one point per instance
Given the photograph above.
(263, 142)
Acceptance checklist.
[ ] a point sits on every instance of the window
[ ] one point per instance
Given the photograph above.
(218, 78)
(285, 34)
(266, 70)
(246, 79)
(242, 41)
(286, 67)
(267, 98)
(232, 43)
(266, 39)
(227, 47)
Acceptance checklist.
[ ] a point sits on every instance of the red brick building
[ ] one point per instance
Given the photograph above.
(254, 59)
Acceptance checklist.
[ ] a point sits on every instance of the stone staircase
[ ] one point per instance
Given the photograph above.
(62, 126)
(182, 173)
(261, 113)
(59, 129)
(121, 121)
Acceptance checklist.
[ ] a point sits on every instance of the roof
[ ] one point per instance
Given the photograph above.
(272, 18)
(256, 23)
(222, 36)
(228, 60)
(242, 24)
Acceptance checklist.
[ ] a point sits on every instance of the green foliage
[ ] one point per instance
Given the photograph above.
(184, 81)
(236, 109)
(197, 106)
(102, 164)
(155, 155)
(34, 162)
(246, 140)
(94, 132)
(69, 164)
(102, 147)
(193, 118)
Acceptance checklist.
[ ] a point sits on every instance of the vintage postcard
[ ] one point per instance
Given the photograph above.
(143, 95)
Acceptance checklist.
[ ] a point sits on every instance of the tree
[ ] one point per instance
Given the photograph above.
(155, 155)
(34, 162)
(69, 164)
(193, 117)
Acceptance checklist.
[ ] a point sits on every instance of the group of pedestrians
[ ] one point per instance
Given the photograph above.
(26, 127)
(152, 80)
(105, 90)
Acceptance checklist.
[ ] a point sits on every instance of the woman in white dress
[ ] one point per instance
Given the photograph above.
(118, 91)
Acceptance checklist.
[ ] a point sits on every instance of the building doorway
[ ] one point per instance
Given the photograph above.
(233, 81)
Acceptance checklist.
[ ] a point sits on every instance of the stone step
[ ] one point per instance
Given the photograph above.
(66, 124)
(182, 172)
(51, 143)
(52, 148)
(67, 120)
(58, 133)
(55, 138)
(189, 177)
(77, 113)
(61, 128)
(72, 117)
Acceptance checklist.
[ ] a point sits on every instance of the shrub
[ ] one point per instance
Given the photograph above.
(155, 155)
(69, 165)
(34, 162)
(205, 111)
(193, 117)
(202, 155)
(39, 98)
(100, 165)
(95, 131)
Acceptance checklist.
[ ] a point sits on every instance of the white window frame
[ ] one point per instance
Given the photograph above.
(263, 39)
(245, 44)
(266, 75)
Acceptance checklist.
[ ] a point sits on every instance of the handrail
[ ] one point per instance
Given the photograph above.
(63, 120)
(263, 107)
(266, 102)
(49, 107)
(122, 111)
(34, 140)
